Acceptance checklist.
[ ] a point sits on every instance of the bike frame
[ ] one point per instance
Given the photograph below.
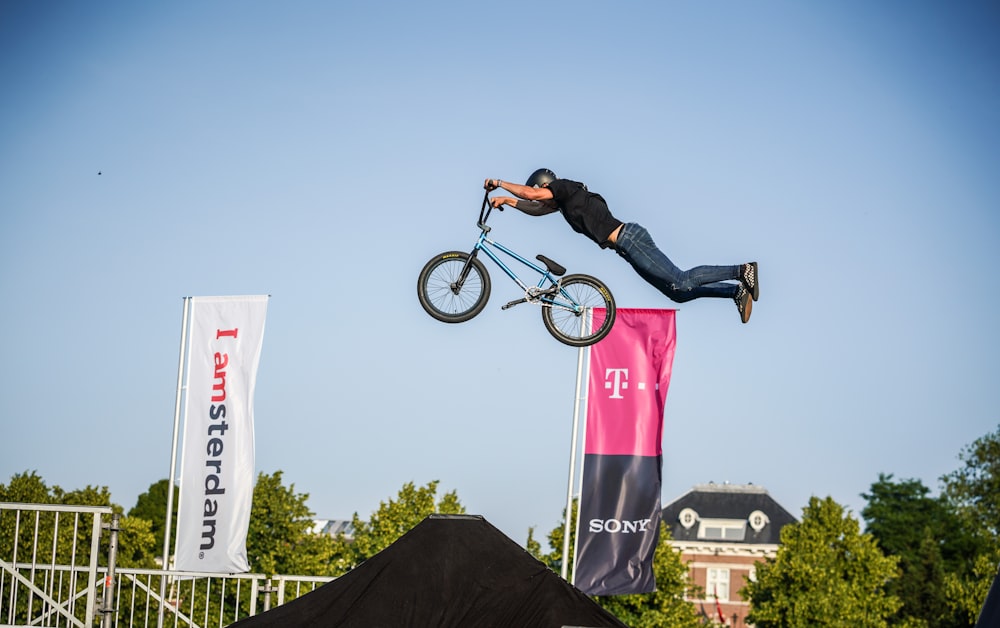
(489, 247)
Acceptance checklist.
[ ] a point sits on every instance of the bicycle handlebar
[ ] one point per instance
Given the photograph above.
(484, 211)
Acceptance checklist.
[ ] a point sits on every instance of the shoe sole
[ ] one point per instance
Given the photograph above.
(747, 310)
(755, 291)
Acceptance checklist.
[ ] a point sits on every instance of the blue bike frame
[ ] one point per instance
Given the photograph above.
(542, 293)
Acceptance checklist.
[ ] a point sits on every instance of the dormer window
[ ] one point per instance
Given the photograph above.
(688, 518)
(722, 530)
(758, 520)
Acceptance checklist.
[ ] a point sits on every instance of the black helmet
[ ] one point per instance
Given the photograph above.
(540, 177)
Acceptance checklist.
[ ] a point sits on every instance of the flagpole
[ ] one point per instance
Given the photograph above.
(173, 457)
(580, 357)
(583, 465)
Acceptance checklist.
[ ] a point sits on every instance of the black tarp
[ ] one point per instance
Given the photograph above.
(989, 616)
(447, 571)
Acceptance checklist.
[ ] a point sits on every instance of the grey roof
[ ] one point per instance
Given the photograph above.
(333, 527)
(728, 502)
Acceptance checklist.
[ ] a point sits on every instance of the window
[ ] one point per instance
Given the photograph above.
(722, 530)
(758, 520)
(717, 584)
(688, 518)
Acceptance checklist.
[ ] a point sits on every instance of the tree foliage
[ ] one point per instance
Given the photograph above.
(553, 558)
(973, 492)
(152, 506)
(666, 606)
(280, 539)
(974, 489)
(826, 573)
(948, 546)
(392, 520)
(135, 541)
(28, 488)
(930, 542)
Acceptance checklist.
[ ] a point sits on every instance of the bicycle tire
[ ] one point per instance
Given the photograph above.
(434, 287)
(564, 324)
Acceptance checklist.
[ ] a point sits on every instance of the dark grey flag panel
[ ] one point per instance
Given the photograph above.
(619, 524)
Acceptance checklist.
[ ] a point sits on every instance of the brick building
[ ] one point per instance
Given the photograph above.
(722, 531)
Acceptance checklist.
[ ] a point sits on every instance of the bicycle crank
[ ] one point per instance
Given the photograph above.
(532, 295)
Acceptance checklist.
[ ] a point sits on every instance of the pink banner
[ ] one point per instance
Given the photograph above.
(629, 377)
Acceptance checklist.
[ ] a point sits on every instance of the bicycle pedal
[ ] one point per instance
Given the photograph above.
(512, 304)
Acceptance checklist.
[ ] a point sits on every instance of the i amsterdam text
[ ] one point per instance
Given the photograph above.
(214, 446)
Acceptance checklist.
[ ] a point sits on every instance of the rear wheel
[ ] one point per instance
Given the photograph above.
(439, 293)
(564, 314)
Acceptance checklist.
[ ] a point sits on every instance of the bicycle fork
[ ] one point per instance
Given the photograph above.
(456, 286)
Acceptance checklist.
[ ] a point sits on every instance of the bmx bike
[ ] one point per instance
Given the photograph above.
(453, 287)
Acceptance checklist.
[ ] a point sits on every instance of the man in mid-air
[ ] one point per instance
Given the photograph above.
(588, 213)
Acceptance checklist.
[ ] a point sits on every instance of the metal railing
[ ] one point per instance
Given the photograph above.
(48, 564)
(51, 575)
(199, 600)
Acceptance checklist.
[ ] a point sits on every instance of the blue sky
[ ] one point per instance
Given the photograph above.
(322, 152)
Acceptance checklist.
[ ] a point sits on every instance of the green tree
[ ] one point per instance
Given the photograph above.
(66, 535)
(15, 540)
(555, 537)
(532, 545)
(28, 488)
(929, 540)
(973, 491)
(135, 542)
(152, 506)
(392, 520)
(826, 573)
(280, 538)
(664, 607)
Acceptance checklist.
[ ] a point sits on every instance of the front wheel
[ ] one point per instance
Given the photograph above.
(570, 315)
(441, 295)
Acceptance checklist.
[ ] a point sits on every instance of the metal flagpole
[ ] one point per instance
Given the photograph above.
(173, 459)
(583, 466)
(580, 358)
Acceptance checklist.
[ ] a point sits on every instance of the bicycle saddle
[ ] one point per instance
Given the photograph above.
(554, 268)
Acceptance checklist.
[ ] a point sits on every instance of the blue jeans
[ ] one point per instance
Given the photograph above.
(637, 247)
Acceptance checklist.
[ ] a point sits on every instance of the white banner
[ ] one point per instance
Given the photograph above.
(217, 464)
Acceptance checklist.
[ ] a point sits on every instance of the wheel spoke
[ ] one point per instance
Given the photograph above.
(435, 288)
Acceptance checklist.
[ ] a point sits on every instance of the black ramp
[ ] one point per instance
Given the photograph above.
(449, 570)
(989, 616)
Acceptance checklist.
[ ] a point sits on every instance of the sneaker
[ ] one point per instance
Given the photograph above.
(749, 279)
(744, 303)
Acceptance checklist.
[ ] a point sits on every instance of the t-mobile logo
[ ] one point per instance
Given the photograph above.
(616, 380)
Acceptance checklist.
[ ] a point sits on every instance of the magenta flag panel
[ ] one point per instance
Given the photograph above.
(629, 377)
